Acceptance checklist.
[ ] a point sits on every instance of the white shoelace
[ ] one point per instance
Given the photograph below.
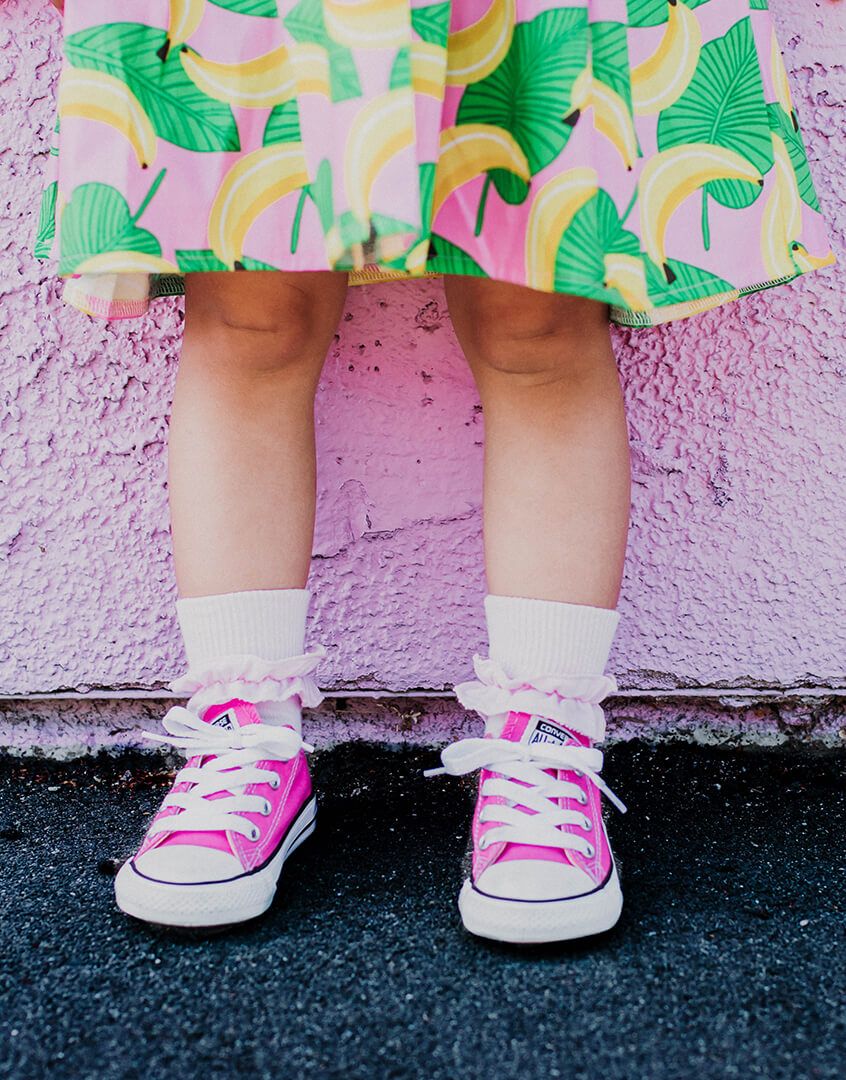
(521, 765)
(231, 770)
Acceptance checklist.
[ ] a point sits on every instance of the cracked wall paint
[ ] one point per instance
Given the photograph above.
(735, 573)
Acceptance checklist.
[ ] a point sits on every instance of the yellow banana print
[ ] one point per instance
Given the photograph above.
(781, 86)
(95, 95)
(251, 185)
(415, 260)
(260, 83)
(663, 77)
(310, 64)
(781, 224)
(782, 219)
(368, 24)
(467, 151)
(553, 208)
(380, 130)
(474, 51)
(334, 244)
(185, 17)
(806, 261)
(135, 262)
(625, 273)
(428, 63)
(670, 176)
(611, 115)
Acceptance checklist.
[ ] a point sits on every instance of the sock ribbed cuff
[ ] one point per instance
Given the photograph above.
(549, 637)
(268, 623)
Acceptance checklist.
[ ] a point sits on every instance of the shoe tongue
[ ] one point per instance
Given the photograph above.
(534, 730)
(232, 715)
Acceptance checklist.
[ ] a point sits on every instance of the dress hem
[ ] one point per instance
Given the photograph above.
(172, 285)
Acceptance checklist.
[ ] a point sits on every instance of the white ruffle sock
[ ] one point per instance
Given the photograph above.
(546, 657)
(249, 645)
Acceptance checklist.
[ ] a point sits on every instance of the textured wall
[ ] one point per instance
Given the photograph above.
(736, 571)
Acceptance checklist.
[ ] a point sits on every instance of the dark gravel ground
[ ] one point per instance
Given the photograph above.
(728, 961)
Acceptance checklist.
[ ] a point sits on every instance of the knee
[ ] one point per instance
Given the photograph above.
(253, 342)
(535, 346)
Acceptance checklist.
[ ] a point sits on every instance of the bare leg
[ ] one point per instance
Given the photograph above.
(557, 473)
(241, 439)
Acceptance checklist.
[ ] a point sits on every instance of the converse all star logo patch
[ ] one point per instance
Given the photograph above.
(226, 720)
(545, 732)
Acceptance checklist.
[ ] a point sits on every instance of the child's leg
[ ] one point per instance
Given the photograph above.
(556, 493)
(557, 481)
(242, 494)
(241, 440)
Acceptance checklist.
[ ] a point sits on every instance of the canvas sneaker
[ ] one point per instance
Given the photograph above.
(241, 804)
(542, 868)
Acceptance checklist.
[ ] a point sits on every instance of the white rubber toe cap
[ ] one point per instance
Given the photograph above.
(534, 879)
(187, 864)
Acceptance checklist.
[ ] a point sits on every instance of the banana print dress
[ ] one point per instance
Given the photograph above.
(643, 153)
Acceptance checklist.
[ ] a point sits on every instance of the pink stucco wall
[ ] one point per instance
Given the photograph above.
(736, 574)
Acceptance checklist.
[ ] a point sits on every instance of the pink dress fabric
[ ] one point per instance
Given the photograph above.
(646, 154)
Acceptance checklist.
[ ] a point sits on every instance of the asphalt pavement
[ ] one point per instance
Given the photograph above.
(729, 961)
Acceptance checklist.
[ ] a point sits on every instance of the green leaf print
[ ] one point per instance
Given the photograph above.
(689, 283)
(305, 191)
(529, 92)
(179, 112)
(724, 104)
(201, 260)
(455, 259)
(283, 124)
(390, 226)
(321, 192)
(304, 22)
(198, 261)
(426, 172)
(432, 23)
(401, 69)
(610, 57)
(782, 125)
(255, 264)
(594, 232)
(653, 12)
(46, 222)
(97, 219)
(352, 231)
(265, 8)
(758, 5)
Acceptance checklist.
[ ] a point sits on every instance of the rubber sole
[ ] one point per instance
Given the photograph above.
(535, 922)
(217, 903)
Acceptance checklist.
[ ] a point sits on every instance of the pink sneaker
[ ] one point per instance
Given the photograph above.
(241, 804)
(542, 868)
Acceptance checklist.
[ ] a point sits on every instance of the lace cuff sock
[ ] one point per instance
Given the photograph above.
(235, 643)
(545, 657)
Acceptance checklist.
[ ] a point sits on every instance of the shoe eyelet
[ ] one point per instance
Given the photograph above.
(588, 824)
(275, 782)
(583, 799)
(255, 834)
(267, 809)
(591, 851)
